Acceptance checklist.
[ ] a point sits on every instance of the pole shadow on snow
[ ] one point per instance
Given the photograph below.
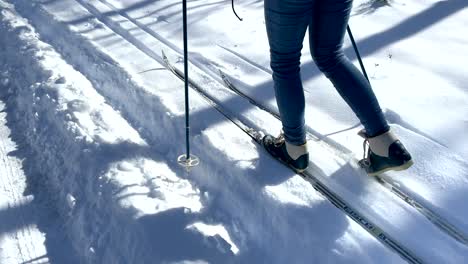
(39, 260)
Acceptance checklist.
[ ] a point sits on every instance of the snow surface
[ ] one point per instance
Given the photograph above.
(92, 124)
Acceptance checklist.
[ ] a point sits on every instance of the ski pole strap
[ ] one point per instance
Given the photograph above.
(234, 10)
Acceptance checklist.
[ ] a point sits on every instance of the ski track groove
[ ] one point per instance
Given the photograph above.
(247, 60)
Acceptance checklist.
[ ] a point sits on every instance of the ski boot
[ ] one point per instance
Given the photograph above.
(383, 153)
(296, 157)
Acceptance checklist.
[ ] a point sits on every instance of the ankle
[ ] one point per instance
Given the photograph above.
(380, 144)
(296, 151)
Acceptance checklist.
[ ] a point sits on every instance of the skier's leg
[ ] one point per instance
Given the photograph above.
(286, 23)
(327, 30)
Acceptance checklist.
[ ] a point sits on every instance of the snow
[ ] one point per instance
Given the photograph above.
(20, 239)
(92, 125)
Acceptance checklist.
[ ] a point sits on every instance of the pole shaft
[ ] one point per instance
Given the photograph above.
(187, 109)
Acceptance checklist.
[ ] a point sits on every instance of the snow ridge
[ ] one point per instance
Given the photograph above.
(51, 110)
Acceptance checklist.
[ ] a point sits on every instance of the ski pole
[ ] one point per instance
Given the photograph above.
(186, 160)
(357, 52)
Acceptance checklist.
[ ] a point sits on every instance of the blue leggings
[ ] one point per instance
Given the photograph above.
(286, 23)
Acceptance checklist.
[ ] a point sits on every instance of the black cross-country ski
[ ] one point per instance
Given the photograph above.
(432, 216)
(336, 200)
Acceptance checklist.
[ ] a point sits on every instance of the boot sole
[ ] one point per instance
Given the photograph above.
(398, 168)
(296, 170)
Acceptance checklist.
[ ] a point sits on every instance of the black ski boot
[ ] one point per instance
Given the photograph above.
(296, 157)
(383, 153)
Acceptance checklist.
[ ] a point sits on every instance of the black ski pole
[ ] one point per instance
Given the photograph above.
(186, 160)
(357, 53)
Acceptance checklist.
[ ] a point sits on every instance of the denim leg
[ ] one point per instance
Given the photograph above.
(286, 23)
(326, 32)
